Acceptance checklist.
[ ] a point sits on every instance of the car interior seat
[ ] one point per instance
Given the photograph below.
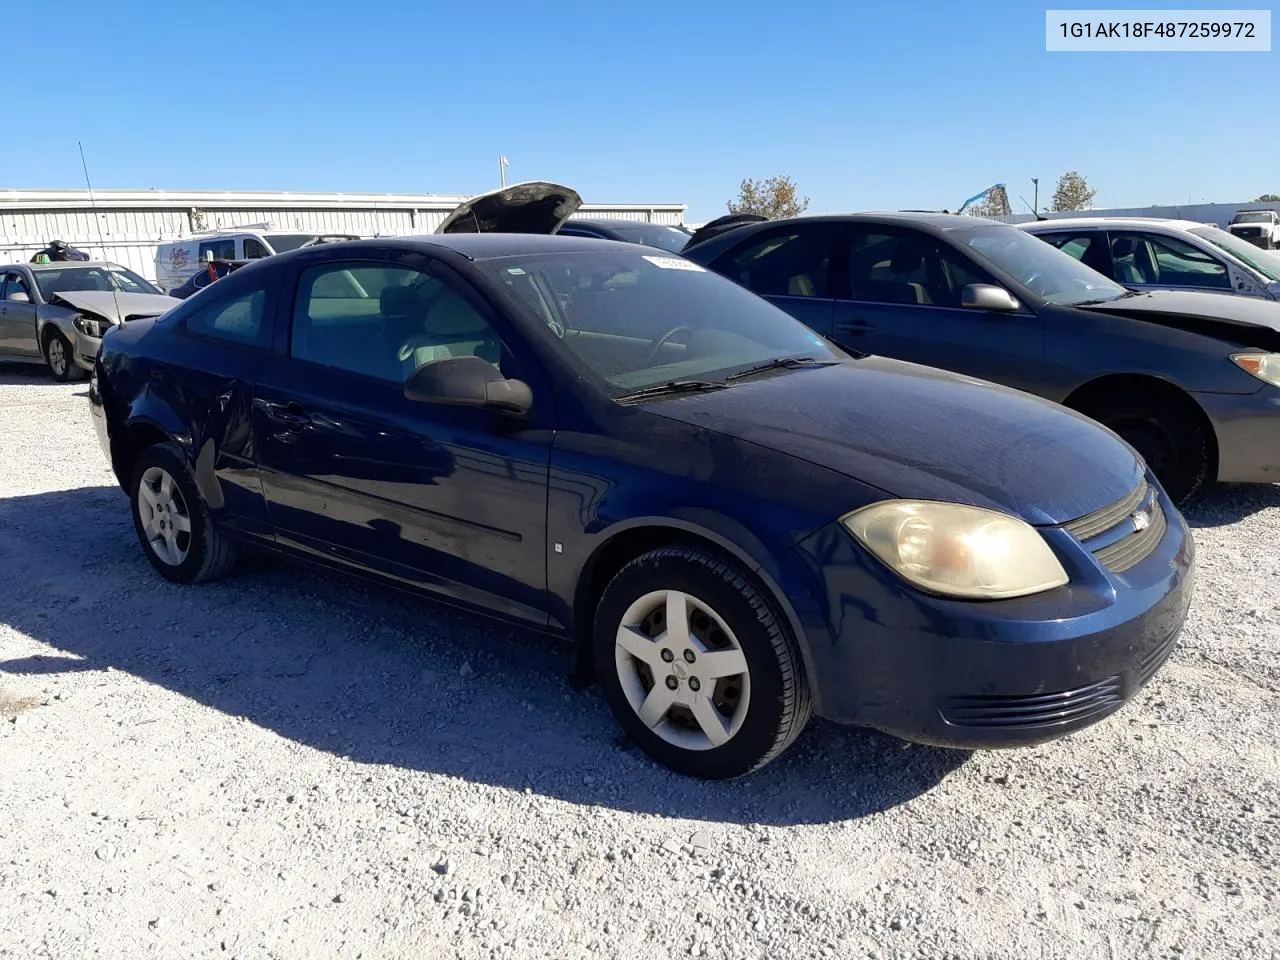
(451, 328)
(1132, 261)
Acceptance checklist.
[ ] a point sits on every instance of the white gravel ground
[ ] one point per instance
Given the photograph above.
(289, 765)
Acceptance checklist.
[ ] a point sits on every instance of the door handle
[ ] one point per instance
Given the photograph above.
(291, 414)
(854, 326)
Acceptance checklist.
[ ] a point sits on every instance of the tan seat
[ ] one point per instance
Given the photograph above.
(801, 286)
(452, 328)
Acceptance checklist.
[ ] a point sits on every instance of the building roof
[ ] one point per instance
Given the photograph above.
(1135, 223)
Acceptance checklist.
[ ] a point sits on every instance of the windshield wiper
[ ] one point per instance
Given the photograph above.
(780, 363)
(669, 388)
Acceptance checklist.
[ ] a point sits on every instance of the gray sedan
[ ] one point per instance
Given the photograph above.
(56, 313)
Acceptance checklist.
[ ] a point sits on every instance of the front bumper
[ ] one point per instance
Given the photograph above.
(87, 348)
(1247, 428)
(992, 674)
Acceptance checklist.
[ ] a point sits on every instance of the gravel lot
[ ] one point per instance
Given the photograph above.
(284, 764)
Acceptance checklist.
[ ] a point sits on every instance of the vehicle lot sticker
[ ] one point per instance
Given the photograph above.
(675, 263)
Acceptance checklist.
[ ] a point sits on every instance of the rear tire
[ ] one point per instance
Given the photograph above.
(716, 694)
(60, 357)
(172, 520)
(1169, 437)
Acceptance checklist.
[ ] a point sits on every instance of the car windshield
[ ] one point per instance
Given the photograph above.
(1252, 218)
(654, 235)
(280, 242)
(1043, 269)
(70, 279)
(641, 320)
(1267, 264)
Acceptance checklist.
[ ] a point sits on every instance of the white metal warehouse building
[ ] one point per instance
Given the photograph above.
(134, 222)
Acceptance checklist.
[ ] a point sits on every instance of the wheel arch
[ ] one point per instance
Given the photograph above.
(149, 422)
(1089, 395)
(633, 538)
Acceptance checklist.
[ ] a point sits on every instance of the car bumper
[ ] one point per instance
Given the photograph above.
(87, 348)
(1247, 428)
(99, 417)
(999, 674)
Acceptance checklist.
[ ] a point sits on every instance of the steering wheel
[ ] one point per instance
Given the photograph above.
(655, 345)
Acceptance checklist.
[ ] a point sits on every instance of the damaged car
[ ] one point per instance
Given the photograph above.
(56, 313)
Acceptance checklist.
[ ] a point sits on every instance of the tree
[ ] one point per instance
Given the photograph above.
(1072, 192)
(1267, 198)
(774, 197)
(995, 203)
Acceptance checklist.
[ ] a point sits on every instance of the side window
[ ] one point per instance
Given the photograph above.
(1089, 247)
(254, 250)
(795, 263)
(13, 283)
(1167, 261)
(384, 322)
(911, 268)
(238, 321)
(223, 248)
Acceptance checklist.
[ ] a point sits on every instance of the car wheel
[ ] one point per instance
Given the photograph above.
(60, 356)
(172, 520)
(1173, 443)
(697, 666)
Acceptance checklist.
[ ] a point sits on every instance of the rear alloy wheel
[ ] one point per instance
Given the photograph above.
(172, 520)
(60, 356)
(696, 665)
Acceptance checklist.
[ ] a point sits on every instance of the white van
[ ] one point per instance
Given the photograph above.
(180, 259)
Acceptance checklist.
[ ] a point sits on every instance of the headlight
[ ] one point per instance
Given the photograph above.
(958, 550)
(90, 326)
(1264, 366)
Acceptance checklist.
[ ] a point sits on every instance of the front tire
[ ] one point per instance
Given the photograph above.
(172, 520)
(1170, 438)
(60, 357)
(697, 666)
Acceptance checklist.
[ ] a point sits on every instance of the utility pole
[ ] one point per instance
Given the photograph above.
(502, 170)
(1035, 204)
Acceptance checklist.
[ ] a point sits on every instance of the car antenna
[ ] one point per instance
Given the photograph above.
(115, 296)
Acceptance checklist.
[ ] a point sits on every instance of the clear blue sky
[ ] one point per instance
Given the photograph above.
(866, 105)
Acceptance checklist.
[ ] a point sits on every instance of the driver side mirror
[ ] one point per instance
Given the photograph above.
(987, 296)
(468, 382)
(19, 296)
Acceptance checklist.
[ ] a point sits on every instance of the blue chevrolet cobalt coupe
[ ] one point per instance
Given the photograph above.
(736, 523)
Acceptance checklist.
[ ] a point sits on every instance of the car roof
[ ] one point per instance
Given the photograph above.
(613, 222)
(1094, 222)
(475, 246)
(64, 264)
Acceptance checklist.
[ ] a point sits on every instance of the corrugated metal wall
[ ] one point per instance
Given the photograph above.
(1219, 213)
(128, 225)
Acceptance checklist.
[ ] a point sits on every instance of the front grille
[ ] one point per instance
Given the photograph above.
(1249, 233)
(1114, 534)
(1136, 547)
(1039, 710)
(1155, 659)
(1100, 521)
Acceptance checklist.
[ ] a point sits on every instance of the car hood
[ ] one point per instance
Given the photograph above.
(533, 207)
(920, 433)
(116, 307)
(1248, 320)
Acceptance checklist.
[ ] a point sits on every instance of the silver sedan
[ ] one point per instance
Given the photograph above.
(56, 313)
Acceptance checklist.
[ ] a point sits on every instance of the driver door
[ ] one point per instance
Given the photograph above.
(903, 301)
(448, 499)
(17, 318)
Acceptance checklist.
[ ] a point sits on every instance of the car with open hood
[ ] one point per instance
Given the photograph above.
(55, 313)
(1149, 253)
(733, 522)
(1190, 379)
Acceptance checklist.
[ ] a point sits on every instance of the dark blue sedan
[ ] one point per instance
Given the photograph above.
(735, 523)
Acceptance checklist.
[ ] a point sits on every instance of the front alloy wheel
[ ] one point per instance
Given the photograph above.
(165, 519)
(682, 670)
(697, 665)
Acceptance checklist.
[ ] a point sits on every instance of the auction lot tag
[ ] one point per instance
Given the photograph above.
(675, 263)
(1118, 31)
